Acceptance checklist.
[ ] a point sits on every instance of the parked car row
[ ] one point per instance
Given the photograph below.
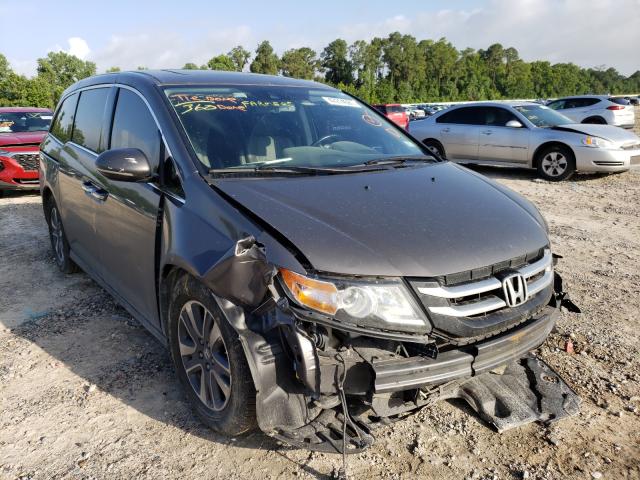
(527, 134)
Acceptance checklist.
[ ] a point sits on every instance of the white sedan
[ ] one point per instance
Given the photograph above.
(524, 134)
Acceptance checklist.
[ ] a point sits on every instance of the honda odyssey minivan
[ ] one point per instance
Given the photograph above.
(312, 269)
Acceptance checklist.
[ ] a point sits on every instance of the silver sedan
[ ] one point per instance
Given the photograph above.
(528, 135)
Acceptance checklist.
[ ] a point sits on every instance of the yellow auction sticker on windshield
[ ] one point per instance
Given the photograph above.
(187, 103)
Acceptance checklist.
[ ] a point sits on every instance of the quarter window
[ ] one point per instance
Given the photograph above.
(134, 127)
(63, 123)
(89, 118)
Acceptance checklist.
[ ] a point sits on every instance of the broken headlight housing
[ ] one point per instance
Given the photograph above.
(384, 304)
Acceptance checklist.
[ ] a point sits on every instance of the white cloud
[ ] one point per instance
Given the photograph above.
(78, 47)
(588, 33)
(168, 49)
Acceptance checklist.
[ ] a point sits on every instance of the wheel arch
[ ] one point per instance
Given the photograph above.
(47, 198)
(535, 159)
(598, 120)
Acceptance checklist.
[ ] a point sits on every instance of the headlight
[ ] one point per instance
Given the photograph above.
(382, 304)
(597, 142)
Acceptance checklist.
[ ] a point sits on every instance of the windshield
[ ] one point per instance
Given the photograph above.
(542, 116)
(17, 122)
(248, 125)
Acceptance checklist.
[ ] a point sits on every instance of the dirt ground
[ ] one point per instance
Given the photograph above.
(85, 392)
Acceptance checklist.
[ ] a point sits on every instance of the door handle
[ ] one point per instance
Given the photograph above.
(88, 188)
(94, 192)
(487, 132)
(445, 130)
(100, 194)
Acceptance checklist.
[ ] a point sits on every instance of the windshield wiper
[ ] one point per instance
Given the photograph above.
(399, 160)
(275, 170)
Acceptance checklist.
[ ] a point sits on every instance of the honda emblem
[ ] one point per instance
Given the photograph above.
(514, 288)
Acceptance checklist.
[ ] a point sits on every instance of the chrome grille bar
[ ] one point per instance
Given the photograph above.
(488, 302)
(469, 309)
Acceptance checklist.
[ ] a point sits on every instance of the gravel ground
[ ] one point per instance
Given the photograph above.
(85, 392)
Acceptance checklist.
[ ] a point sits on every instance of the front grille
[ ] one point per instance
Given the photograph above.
(479, 306)
(28, 161)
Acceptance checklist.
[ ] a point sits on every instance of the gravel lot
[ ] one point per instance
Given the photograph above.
(85, 392)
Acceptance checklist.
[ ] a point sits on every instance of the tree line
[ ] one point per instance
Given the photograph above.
(398, 68)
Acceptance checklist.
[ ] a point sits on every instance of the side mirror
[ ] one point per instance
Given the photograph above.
(513, 124)
(125, 165)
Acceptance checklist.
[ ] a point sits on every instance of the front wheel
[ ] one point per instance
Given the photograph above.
(209, 360)
(556, 163)
(435, 147)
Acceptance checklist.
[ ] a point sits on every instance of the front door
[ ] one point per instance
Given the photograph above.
(127, 220)
(499, 143)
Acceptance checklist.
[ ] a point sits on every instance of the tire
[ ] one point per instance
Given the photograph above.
(59, 243)
(556, 163)
(436, 147)
(211, 367)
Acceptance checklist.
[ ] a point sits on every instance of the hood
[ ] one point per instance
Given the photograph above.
(608, 132)
(19, 139)
(421, 221)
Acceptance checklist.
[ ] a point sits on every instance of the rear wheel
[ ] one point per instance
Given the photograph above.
(209, 360)
(59, 243)
(435, 147)
(556, 163)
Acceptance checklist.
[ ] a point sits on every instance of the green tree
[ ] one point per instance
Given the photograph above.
(299, 63)
(113, 70)
(60, 70)
(240, 57)
(265, 61)
(221, 62)
(334, 59)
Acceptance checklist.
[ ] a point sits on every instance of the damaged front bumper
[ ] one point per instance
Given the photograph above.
(303, 390)
(324, 386)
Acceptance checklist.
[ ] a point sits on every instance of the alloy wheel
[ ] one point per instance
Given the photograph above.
(204, 355)
(554, 164)
(57, 235)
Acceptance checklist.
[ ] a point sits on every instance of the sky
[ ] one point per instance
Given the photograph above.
(162, 34)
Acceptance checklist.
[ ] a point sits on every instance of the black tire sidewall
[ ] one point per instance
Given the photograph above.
(68, 265)
(437, 146)
(568, 154)
(238, 416)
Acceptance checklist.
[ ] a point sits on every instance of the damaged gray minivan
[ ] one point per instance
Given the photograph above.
(313, 270)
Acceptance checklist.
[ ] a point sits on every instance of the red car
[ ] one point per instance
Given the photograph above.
(21, 131)
(394, 112)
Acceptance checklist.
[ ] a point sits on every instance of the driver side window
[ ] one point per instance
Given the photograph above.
(134, 127)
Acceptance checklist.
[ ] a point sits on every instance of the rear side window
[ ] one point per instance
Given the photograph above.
(394, 109)
(63, 123)
(463, 116)
(556, 105)
(134, 127)
(89, 118)
(619, 101)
